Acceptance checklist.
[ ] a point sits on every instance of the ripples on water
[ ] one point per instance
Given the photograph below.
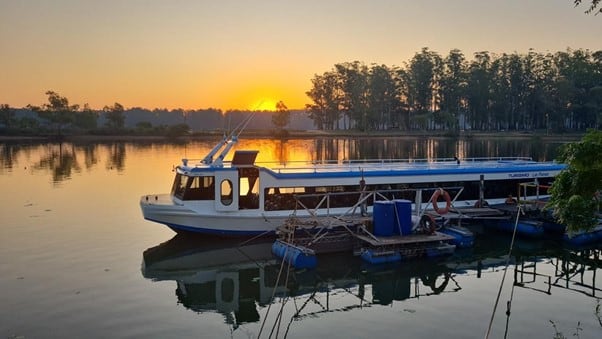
(78, 260)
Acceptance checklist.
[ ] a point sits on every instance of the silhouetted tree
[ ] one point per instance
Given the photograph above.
(115, 116)
(7, 115)
(86, 118)
(326, 96)
(592, 6)
(282, 116)
(56, 112)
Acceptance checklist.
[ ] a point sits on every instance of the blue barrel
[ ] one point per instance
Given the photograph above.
(294, 255)
(383, 218)
(403, 220)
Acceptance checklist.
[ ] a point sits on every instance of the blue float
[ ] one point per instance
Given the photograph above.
(528, 228)
(441, 250)
(584, 238)
(462, 236)
(296, 256)
(380, 258)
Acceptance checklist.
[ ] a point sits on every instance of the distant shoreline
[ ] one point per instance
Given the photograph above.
(263, 134)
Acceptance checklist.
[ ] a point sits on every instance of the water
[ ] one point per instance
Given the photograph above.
(77, 259)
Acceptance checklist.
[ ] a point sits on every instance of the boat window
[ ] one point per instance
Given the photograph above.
(194, 188)
(248, 188)
(226, 192)
(179, 186)
(200, 188)
(285, 198)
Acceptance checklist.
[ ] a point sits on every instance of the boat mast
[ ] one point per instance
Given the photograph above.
(219, 162)
(226, 140)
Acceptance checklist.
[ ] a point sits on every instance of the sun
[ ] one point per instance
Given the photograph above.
(264, 104)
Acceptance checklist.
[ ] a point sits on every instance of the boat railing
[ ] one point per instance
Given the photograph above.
(366, 198)
(359, 163)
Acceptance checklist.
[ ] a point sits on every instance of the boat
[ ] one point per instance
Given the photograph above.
(241, 197)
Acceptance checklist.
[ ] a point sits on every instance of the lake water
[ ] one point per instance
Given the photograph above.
(77, 260)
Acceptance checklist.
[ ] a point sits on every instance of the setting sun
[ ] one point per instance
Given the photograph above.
(264, 105)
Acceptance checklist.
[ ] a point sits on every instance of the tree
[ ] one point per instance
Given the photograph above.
(115, 117)
(178, 130)
(422, 77)
(56, 112)
(383, 99)
(575, 193)
(592, 6)
(353, 77)
(479, 91)
(452, 91)
(325, 94)
(7, 115)
(282, 116)
(86, 118)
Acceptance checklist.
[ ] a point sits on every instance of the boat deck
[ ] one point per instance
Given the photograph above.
(412, 239)
(471, 213)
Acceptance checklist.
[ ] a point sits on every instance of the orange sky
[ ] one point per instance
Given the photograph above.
(227, 54)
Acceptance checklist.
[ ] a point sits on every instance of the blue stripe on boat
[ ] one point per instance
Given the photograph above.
(413, 172)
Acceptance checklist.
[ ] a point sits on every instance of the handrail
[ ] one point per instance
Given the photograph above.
(363, 163)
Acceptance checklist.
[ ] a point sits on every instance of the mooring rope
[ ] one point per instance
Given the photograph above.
(276, 286)
(497, 299)
(508, 307)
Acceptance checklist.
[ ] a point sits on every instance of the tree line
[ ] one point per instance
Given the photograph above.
(558, 92)
(59, 117)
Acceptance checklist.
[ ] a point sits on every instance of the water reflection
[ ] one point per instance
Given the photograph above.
(90, 155)
(8, 156)
(64, 159)
(238, 281)
(431, 148)
(61, 160)
(116, 157)
(217, 275)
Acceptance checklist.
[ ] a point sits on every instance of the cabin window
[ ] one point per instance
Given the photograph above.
(179, 186)
(285, 198)
(248, 188)
(226, 192)
(194, 187)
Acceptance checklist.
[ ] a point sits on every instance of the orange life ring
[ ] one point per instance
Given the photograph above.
(447, 198)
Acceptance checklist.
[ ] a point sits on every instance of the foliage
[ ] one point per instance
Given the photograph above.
(178, 130)
(592, 7)
(86, 119)
(7, 115)
(115, 116)
(57, 112)
(552, 92)
(144, 126)
(575, 192)
(282, 116)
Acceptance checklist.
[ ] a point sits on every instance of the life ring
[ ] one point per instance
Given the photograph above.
(428, 224)
(447, 198)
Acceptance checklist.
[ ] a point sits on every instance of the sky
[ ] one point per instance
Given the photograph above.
(228, 54)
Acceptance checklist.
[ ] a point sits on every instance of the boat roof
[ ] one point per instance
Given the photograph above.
(376, 167)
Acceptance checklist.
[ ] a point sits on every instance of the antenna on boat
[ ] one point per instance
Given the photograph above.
(231, 141)
(227, 140)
